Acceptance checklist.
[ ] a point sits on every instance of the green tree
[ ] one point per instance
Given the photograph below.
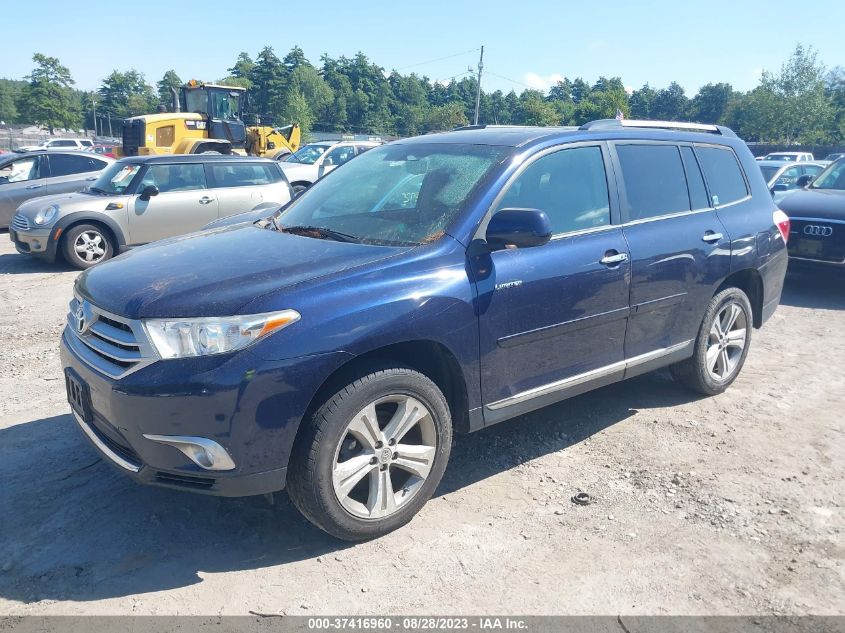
(242, 70)
(710, 105)
(671, 104)
(168, 81)
(297, 110)
(126, 94)
(535, 110)
(9, 94)
(48, 98)
(268, 83)
(317, 93)
(446, 117)
(642, 102)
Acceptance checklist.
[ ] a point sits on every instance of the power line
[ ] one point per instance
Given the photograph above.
(513, 81)
(439, 59)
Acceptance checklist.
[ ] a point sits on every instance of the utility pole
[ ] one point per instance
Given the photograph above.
(478, 88)
(94, 108)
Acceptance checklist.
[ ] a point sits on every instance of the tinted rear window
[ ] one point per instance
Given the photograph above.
(243, 175)
(697, 190)
(654, 180)
(723, 174)
(67, 164)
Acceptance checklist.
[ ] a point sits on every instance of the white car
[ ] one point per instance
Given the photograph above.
(82, 144)
(792, 157)
(313, 161)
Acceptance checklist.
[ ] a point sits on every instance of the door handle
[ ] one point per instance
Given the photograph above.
(612, 258)
(206, 200)
(34, 186)
(91, 178)
(710, 237)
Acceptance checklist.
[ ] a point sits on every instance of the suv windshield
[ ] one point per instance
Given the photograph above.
(395, 194)
(831, 178)
(115, 179)
(307, 155)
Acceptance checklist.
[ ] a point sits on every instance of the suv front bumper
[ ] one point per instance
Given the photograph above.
(36, 242)
(250, 407)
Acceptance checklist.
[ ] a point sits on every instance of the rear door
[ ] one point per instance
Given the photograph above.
(20, 180)
(679, 249)
(184, 203)
(241, 186)
(551, 314)
(71, 172)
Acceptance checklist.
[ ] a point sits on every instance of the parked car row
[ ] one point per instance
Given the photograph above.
(435, 285)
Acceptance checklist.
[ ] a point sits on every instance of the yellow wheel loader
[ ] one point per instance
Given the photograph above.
(206, 118)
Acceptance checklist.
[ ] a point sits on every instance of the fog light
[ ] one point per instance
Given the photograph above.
(205, 453)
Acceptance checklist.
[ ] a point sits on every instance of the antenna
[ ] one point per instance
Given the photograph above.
(478, 88)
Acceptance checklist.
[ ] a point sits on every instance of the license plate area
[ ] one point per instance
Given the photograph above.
(78, 395)
(810, 247)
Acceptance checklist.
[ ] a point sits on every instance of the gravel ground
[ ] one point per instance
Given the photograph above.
(725, 505)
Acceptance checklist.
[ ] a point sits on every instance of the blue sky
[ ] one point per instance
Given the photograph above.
(529, 43)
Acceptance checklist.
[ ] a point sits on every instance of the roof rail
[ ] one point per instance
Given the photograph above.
(615, 124)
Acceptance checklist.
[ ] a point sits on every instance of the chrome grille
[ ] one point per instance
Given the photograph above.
(108, 343)
(20, 223)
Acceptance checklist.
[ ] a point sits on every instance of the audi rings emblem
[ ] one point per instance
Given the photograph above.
(818, 231)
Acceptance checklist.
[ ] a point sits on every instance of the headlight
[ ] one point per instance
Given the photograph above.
(180, 338)
(47, 215)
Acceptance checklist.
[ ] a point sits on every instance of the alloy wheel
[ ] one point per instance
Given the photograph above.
(90, 246)
(384, 456)
(726, 341)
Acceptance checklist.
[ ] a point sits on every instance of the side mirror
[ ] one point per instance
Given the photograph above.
(521, 228)
(148, 192)
(803, 181)
(271, 145)
(779, 187)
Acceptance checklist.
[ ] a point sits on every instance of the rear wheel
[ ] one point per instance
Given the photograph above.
(371, 456)
(721, 346)
(87, 244)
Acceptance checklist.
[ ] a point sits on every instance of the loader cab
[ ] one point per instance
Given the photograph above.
(222, 107)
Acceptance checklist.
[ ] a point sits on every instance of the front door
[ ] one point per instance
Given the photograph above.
(551, 315)
(184, 203)
(680, 250)
(20, 180)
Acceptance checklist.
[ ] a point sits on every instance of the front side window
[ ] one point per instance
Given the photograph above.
(655, 183)
(307, 155)
(400, 194)
(21, 170)
(831, 178)
(116, 179)
(570, 185)
(339, 155)
(789, 177)
(224, 104)
(235, 175)
(69, 164)
(723, 174)
(174, 178)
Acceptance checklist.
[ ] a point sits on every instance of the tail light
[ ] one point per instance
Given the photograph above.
(781, 221)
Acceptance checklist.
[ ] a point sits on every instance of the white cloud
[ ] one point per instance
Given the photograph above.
(540, 82)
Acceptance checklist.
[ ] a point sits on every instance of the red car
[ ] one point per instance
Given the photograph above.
(105, 150)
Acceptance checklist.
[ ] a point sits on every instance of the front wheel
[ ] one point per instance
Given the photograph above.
(372, 455)
(85, 245)
(721, 345)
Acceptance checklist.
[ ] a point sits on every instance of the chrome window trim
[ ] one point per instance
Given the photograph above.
(593, 374)
(667, 216)
(117, 459)
(590, 231)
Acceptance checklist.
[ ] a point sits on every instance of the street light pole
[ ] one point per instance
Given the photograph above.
(478, 88)
(94, 108)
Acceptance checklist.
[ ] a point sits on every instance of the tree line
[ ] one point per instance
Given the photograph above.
(802, 102)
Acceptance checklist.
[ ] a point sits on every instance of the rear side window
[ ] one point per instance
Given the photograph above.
(244, 175)
(62, 144)
(569, 185)
(68, 164)
(723, 174)
(654, 180)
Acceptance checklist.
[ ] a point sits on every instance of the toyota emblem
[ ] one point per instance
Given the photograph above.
(80, 319)
(818, 231)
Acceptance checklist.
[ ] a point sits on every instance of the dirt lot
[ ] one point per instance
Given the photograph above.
(724, 505)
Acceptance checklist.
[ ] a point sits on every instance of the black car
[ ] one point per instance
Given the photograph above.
(817, 214)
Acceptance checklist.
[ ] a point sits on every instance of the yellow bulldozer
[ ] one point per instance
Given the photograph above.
(206, 119)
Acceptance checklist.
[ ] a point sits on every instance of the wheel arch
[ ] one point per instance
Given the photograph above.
(750, 282)
(430, 358)
(81, 217)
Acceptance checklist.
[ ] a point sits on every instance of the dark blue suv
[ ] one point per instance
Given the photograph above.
(434, 285)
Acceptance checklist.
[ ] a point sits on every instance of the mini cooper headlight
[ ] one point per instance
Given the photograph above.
(181, 338)
(47, 215)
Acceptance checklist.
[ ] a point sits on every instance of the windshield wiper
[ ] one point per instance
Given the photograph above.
(321, 230)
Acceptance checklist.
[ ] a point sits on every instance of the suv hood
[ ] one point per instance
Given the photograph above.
(216, 273)
(825, 204)
(67, 201)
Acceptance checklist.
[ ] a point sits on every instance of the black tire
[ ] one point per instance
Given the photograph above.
(310, 471)
(694, 371)
(80, 260)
